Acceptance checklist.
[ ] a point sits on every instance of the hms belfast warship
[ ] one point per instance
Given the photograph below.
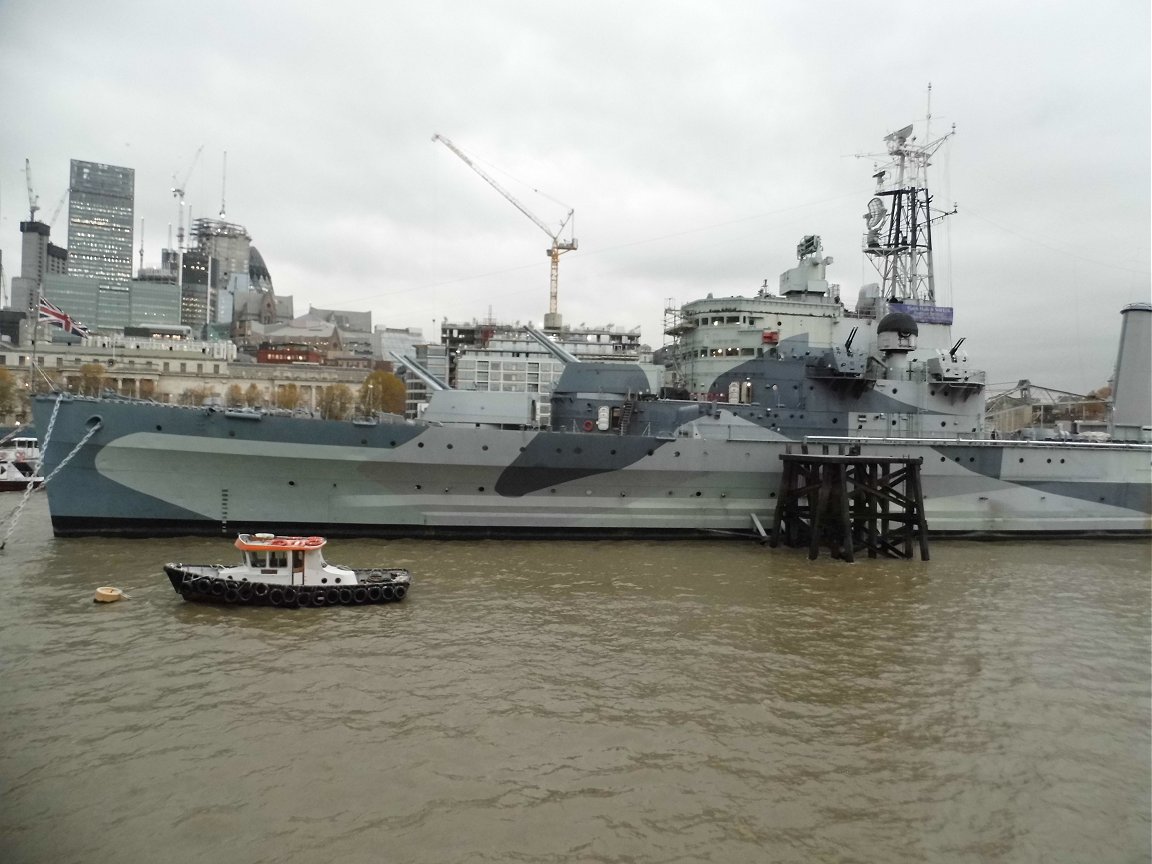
(623, 457)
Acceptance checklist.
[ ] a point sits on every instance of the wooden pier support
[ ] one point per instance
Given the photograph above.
(850, 503)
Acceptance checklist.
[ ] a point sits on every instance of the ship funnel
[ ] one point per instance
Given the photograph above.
(1131, 392)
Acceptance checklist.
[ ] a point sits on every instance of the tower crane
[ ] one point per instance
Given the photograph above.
(178, 192)
(558, 247)
(33, 198)
(58, 208)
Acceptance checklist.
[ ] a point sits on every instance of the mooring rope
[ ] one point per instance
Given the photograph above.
(15, 514)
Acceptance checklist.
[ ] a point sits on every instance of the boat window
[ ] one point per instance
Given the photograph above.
(277, 559)
(257, 559)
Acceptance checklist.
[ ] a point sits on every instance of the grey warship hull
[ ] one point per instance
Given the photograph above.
(155, 470)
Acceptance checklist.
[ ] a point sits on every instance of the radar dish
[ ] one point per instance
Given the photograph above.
(876, 214)
(903, 135)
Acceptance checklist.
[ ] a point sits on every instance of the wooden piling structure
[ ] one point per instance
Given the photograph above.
(850, 503)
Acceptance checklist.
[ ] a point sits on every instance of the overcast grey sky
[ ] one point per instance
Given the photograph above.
(696, 141)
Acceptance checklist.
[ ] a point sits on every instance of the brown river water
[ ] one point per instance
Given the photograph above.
(581, 702)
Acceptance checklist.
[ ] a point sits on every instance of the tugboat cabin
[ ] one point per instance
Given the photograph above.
(270, 555)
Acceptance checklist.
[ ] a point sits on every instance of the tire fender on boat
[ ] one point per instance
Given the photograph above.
(400, 591)
(374, 594)
(290, 596)
(359, 595)
(276, 596)
(259, 590)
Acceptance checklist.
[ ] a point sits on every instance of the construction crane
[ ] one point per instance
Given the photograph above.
(178, 192)
(33, 199)
(58, 208)
(558, 247)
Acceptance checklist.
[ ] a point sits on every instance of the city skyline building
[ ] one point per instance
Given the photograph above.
(101, 206)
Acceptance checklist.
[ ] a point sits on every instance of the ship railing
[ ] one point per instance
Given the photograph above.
(973, 442)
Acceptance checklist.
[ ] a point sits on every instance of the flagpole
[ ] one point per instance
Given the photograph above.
(34, 320)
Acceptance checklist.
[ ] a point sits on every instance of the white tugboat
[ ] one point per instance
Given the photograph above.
(288, 572)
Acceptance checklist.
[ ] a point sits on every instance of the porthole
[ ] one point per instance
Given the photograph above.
(323, 580)
(337, 580)
(419, 443)
(231, 433)
(677, 454)
(449, 446)
(1021, 460)
(291, 482)
(485, 447)
(698, 494)
(651, 452)
(364, 441)
(418, 487)
(480, 489)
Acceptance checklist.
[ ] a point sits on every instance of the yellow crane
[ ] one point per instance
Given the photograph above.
(559, 247)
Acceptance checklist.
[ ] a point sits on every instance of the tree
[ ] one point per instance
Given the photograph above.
(336, 402)
(91, 381)
(382, 391)
(252, 396)
(9, 390)
(288, 397)
(235, 396)
(197, 395)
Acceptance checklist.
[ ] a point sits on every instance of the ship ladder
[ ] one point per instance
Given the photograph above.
(626, 416)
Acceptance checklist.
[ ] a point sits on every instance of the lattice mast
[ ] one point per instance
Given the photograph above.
(898, 224)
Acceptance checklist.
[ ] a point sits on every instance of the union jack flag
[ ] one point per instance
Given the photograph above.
(57, 317)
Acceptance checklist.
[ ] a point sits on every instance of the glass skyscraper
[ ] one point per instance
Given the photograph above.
(100, 214)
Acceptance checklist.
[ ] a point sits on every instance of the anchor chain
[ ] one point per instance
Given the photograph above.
(14, 516)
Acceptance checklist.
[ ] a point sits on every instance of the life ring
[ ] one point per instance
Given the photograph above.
(279, 541)
(400, 591)
(589, 425)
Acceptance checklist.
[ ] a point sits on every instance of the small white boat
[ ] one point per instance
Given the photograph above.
(287, 572)
(16, 476)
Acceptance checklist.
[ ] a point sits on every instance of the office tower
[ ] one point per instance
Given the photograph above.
(100, 213)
